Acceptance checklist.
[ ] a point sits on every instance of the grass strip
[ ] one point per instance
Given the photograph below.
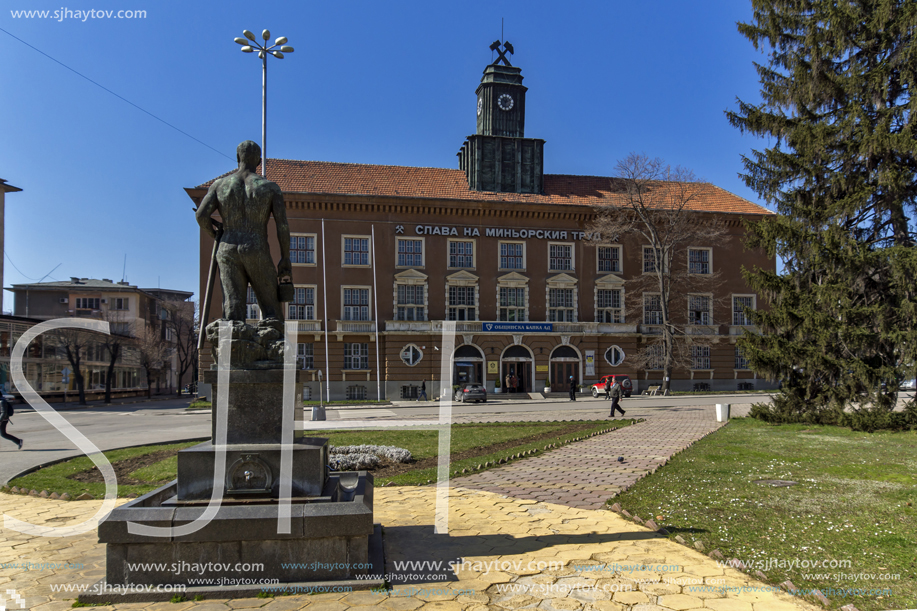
(848, 527)
(471, 445)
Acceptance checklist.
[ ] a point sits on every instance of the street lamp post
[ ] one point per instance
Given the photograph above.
(249, 46)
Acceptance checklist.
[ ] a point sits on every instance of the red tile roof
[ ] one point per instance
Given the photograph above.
(324, 177)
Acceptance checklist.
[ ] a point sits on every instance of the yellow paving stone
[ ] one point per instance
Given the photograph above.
(400, 603)
(443, 605)
(679, 602)
(562, 604)
(167, 606)
(630, 598)
(282, 603)
(496, 577)
(605, 605)
(58, 605)
(246, 603)
(363, 597)
(326, 606)
(518, 601)
(727, 604)
(477, 597)
(660, 589)
(781, 605)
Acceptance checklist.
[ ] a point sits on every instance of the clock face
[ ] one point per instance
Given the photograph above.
(480, 106)
(505, 102)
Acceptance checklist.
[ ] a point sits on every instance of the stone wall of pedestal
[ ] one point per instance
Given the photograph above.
(255, 412)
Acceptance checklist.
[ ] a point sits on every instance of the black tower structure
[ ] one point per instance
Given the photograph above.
(499, 157)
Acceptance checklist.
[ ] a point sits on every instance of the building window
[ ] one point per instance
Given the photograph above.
(610, 305)
(120, 303)
(741, 361)
(356, 251)
(610, 259)
(305, 356)
(356, 304)
(410, 253)
(356, 356)
(699, 310)
(356, 393)
(303, 305)
(512, 255)
(410, 302)
(650, 257)
(252, 311)
(87, 303)
(512, 304)
(739, 303)
(652, 309)
(560, 305)
(411, 355)
(699, 261)
(655, 358)
(700, 357)
(461, 254)
(561, 257)
(614, 356)
(462, 303)
(302, 249)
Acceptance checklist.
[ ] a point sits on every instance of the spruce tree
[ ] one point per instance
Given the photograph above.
(837, 106)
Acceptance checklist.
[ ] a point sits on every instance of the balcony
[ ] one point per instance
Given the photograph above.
(740, 329)
(308, 326)
(702, 329)
(356, 326)
(651, 329)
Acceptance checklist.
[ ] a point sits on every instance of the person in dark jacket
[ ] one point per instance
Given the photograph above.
(423, 391)
(608, 388)
(6, 412)
(616, 393)
(572, 389)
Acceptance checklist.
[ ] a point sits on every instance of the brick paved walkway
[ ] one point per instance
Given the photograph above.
(585, 474)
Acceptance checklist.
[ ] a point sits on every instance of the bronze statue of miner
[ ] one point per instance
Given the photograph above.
(245, 201)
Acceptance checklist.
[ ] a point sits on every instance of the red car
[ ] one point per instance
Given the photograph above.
(622, 378)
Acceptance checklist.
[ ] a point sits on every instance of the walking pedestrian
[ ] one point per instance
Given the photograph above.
(572, 388)
(507, 385)
(6, 412)
(616, 393)
(608, 387)
(423, 391)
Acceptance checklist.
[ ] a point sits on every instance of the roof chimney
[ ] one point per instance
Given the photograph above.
(107, 280)
(74, 280)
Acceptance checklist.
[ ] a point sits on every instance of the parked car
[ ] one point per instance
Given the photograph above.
(471, 392)
(623, 379)
(909, 384)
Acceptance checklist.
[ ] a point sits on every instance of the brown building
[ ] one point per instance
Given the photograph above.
(382, 255)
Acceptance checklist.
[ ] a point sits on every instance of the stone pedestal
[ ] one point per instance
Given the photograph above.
(255, 404)
(332, 536)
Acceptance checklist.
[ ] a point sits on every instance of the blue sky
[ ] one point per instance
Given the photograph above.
(369, 82)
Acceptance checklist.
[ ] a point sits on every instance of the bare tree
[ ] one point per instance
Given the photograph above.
(153, 353)
(660, 204)
(181, 323)
(76, 345)
(120, 333)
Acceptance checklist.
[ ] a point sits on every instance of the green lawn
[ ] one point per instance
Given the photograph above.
(855, 504)
(471, 445)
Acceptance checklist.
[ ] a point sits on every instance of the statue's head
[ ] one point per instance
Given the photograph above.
(249, 153)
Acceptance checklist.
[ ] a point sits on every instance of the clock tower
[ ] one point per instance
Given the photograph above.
(498, 157)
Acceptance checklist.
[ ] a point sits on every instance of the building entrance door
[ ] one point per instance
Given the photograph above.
(564, 363)
(560, 375)
(516, 366)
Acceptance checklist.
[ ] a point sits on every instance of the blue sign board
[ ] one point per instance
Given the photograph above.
(518, 327)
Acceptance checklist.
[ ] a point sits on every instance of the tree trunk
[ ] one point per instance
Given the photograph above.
(79, 386)
(110, 374)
